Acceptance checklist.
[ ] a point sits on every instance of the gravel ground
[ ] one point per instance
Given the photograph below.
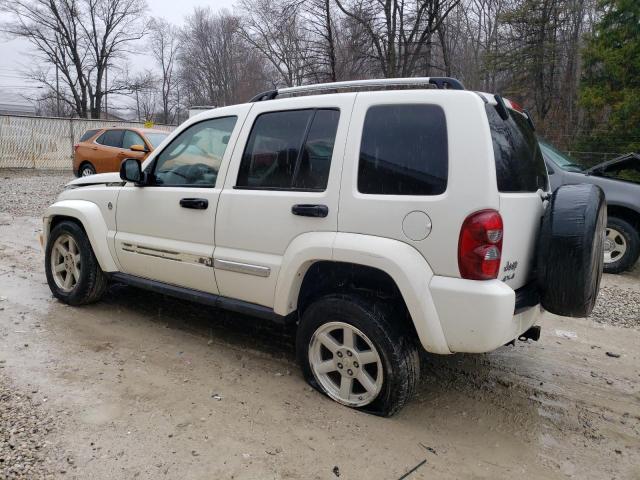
(25, 452)
(29, 192)
(618, 306)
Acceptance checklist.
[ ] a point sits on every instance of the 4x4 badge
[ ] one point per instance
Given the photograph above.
(510, 266)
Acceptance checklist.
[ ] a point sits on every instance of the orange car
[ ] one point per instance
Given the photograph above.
(102, 150)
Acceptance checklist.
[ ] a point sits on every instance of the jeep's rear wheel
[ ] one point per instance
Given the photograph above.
(346, 364)
(73, 273)
(351, 350)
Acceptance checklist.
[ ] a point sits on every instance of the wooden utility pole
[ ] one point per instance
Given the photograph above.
(138, 101)
(106, 112)
(178, 106)
(57, 92)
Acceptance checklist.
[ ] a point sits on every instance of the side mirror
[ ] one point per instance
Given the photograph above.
(131, 170)
(138, 148)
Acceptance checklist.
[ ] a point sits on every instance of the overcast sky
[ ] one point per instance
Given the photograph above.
(15, 55)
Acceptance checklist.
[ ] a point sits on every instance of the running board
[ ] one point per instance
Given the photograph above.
(204, 298)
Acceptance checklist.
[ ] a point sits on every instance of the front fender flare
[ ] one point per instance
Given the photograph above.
(89, 215)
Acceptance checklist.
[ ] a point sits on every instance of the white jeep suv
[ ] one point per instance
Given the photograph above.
(380, 216)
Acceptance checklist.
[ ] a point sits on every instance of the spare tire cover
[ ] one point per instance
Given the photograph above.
(571, 250)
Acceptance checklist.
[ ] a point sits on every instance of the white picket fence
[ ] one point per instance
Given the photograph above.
(47, 143)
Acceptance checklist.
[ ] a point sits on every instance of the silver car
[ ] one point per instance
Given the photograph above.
(620, 180)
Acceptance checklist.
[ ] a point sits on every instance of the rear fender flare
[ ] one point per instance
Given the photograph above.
(403, 263)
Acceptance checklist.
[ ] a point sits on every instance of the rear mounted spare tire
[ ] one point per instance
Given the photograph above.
(570, 250)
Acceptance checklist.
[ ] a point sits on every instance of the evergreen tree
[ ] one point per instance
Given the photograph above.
(610, 84)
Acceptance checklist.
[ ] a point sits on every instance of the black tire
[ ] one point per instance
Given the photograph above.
(632, 239)
(397, 348)
(92, 282)
(570, 250)
(86, 169)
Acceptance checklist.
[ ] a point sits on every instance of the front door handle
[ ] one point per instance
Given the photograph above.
(195, 203)
(307, 210)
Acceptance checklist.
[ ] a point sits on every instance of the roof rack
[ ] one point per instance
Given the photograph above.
(439, 82)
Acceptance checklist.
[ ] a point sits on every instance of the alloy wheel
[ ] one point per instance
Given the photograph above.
(615, 245)
(346, 364)
(65, 263)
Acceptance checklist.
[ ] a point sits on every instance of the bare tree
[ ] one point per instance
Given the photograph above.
(79, 40)
(47, 105)
(400, 31)
(148, 104)
(321, 27)
(355, 56)
(216, 65)
(163, 44)
(275, 29)
(141, 87)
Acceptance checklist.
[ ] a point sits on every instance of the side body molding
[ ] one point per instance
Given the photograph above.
(405, 265)
(89, 214)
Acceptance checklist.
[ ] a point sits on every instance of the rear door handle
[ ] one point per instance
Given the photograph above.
(307, 210)
(194, 203)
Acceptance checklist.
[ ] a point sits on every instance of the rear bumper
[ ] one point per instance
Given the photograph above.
(480, 316)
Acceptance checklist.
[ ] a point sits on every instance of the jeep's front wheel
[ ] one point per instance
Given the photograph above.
(351, 350)
(73, 273)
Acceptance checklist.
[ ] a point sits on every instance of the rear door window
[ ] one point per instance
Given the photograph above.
(404, 150)
(519, 162)
(111, 138)
(289, 150)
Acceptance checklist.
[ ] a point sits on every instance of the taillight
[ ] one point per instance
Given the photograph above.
(480, 245)
(515, 106)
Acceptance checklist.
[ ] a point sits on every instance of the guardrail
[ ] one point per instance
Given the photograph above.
(47, 142)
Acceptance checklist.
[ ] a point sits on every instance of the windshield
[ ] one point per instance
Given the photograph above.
(156, 138)
(562, 160)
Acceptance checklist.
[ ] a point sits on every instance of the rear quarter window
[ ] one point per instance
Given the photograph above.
(111, 138)
(519, 162)
(404, 150)
(87, 135)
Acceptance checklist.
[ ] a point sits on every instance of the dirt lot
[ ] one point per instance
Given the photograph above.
(143, 386)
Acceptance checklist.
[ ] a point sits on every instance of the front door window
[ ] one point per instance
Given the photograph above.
(193, 158)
